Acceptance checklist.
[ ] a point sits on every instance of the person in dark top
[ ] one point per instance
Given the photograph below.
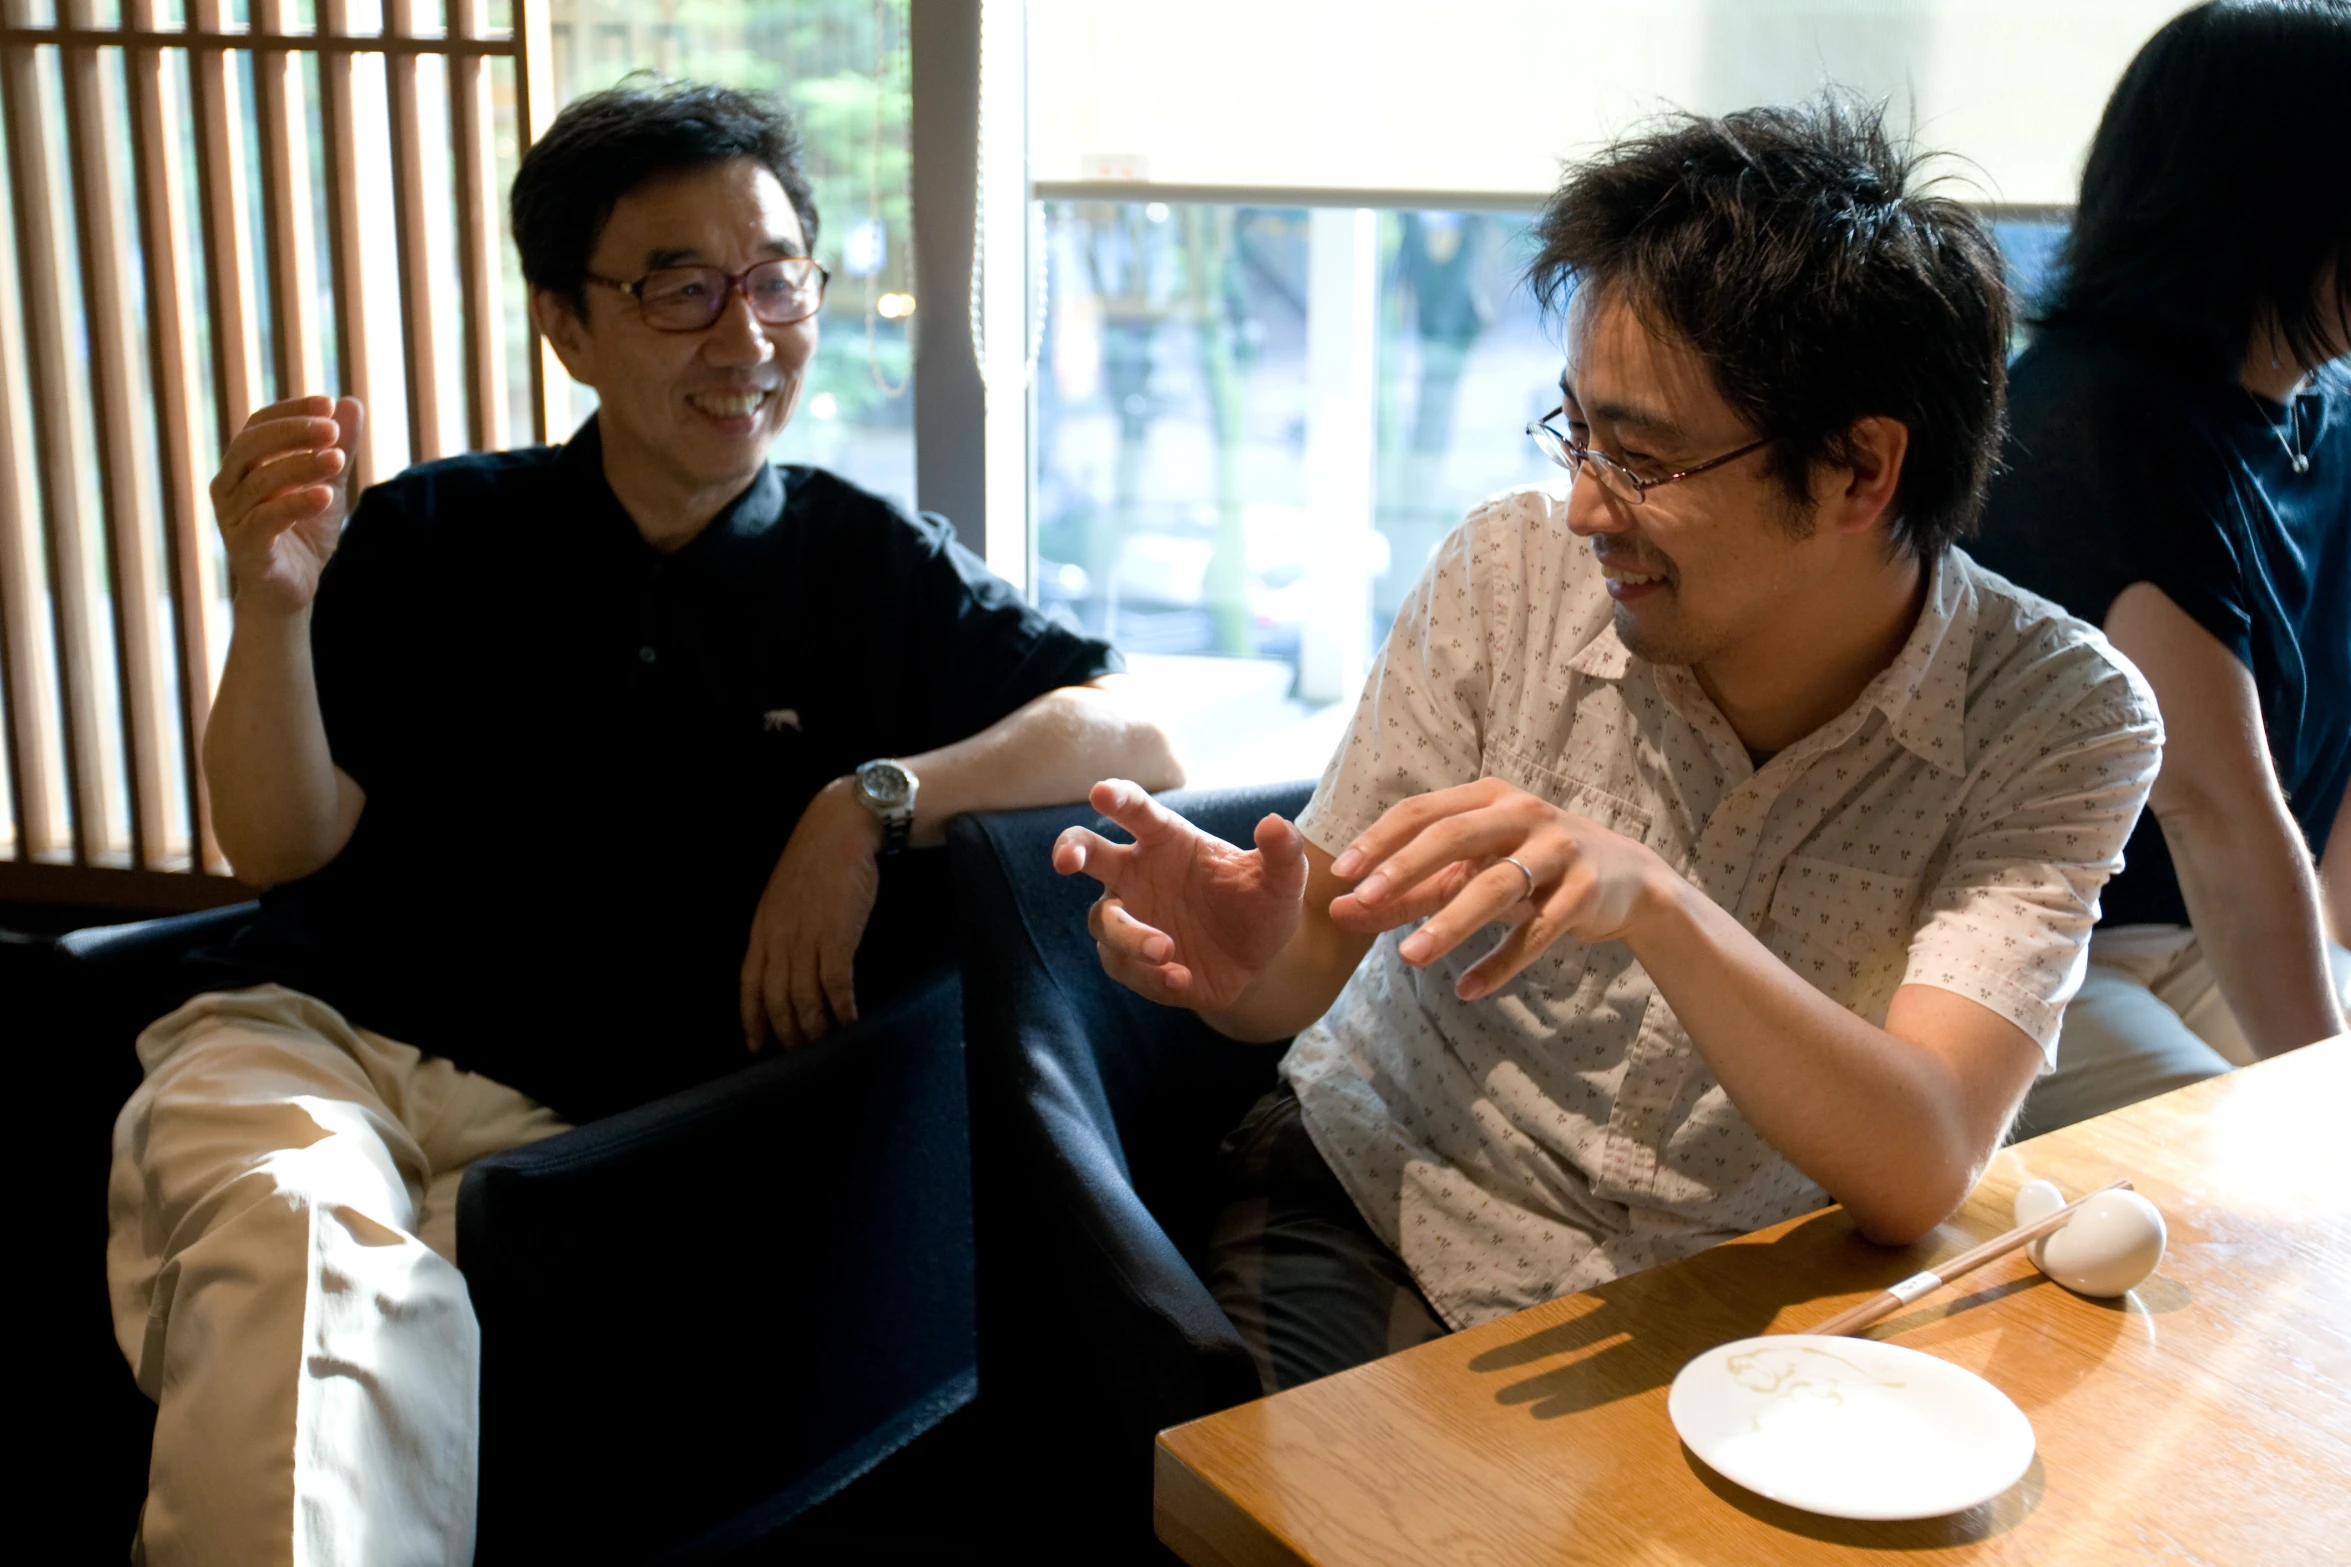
(570, 773)
(2178, 471)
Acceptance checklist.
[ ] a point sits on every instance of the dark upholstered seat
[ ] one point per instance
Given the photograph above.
(700, 1317)
(1096, 1117)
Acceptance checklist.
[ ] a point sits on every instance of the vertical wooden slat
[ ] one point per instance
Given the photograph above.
(173, 371)
(228, 256)
(230, 295)
(354, 271)
(45, 320)
(534, 95)
(33, 762)
(15, 608)
(111, 316)
(283, 127)
(484, 333)
(416, 257)
(36, 784)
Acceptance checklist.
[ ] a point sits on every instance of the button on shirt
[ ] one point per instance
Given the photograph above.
(1951, 828)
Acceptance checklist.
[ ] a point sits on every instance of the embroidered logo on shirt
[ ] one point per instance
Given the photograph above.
(780, 718)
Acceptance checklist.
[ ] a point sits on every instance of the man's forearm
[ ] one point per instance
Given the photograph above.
(1883, 1123)
(1051, 750)
(2254, 901)
(279, 806)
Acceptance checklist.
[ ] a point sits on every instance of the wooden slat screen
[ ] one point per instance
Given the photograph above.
(154, 295)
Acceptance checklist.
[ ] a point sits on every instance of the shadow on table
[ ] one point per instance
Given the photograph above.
(2070, 1336)
(1980, 1522)
(1633, 1335)
(1638, 1331)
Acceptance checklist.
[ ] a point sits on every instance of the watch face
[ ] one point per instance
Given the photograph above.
(885, 783)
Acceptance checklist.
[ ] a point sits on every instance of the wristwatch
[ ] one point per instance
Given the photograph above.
(887, 788)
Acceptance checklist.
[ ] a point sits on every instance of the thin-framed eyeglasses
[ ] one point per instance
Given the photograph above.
(1575, 456)
(688, 299)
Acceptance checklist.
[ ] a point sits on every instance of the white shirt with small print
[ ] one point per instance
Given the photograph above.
(1951, 828)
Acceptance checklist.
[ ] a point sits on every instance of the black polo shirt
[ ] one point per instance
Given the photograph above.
(582, 756)
(2121, 467)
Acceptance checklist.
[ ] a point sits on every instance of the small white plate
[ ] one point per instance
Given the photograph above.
(1850, 1427)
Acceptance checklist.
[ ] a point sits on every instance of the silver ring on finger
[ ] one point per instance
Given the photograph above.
(1520, 866)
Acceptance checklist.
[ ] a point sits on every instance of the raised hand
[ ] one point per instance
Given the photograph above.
(281, 495)
(1185, 918)
(1485, 852)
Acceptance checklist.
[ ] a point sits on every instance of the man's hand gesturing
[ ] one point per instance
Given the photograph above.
(281, 495)
(1463, 858)
(1184, 918)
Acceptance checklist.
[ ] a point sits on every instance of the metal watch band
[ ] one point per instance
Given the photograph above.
(892, 803)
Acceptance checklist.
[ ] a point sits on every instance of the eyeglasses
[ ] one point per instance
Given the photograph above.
(688, 299)
(1620, 481)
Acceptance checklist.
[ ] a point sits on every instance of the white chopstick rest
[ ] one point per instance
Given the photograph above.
(2113, 1243)
(1854, 1318)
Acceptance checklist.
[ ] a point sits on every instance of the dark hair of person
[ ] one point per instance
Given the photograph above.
(2218, 188)
(1788, 248)
(606, 144)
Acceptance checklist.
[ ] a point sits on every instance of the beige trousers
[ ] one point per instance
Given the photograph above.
(282, 1234)
(2148, 1020)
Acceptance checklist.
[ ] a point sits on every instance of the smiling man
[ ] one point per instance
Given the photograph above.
(1714, 838)
(569, 772)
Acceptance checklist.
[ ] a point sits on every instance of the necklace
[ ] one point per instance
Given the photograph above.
(2300, 459)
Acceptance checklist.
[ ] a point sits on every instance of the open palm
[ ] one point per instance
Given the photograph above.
(1185, 918)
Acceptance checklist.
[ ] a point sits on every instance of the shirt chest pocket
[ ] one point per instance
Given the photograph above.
(1569, 969)
(1589, 801)
(1844, 930)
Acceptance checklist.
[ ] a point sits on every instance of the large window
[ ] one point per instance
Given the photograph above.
(1286, 345)
(1254, 425)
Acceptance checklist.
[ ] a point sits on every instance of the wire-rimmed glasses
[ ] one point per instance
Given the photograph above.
(687, 299)
(1620, 481)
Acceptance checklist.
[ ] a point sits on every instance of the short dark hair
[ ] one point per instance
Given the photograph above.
(2218, 187)
(1786, 246)
(606, 144)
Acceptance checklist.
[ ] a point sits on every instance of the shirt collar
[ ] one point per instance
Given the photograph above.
(1604, 657)
(752, 513)
(1923, 692)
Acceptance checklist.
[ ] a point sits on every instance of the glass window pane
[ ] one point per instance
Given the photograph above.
(1172, 506)
(1465, 361)
(1183, 398)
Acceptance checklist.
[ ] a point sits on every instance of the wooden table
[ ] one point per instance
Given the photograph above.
(2206, 1418)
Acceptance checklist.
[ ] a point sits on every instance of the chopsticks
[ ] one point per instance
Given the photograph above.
(1853, 1319)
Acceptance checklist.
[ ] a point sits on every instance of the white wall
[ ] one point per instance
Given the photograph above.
(1487, 96)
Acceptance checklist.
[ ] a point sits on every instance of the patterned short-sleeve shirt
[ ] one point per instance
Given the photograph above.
(1951, 828)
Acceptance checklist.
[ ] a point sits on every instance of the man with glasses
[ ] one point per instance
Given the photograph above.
(1714, 839)
(569, 771)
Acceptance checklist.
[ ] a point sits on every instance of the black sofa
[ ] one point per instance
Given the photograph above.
(700, 1318)
(1096, 1116)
